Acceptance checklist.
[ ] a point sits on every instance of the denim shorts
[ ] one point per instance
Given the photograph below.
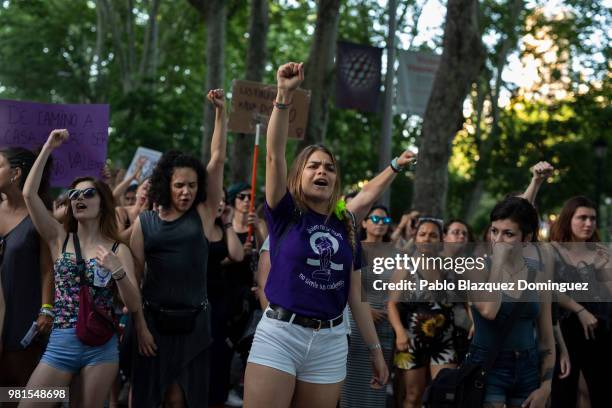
(314, 356)
(65, 351)
(514, 376)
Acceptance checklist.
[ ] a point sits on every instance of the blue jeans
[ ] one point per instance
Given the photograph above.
(514, 376)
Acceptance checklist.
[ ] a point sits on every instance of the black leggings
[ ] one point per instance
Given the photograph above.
(593, 357)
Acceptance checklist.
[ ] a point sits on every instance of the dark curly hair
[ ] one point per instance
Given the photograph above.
(160, 190)
(520, 211)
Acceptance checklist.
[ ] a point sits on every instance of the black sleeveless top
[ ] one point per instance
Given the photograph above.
(20, 282)
(176, 254)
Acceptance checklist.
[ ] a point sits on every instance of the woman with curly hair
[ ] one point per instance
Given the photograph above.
(174, 331)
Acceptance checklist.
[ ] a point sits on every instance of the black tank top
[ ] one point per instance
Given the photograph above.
(20, 282)
(176, 254)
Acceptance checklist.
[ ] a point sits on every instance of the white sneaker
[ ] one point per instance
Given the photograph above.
(233, 399)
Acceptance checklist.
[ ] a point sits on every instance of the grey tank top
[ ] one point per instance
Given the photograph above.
(176, 254)
(20, 282)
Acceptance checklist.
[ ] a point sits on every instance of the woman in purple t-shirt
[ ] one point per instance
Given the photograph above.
(299, 351)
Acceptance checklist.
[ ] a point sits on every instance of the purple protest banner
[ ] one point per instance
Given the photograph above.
(28, 124)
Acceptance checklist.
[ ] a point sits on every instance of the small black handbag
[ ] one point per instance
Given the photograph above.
(175, 320)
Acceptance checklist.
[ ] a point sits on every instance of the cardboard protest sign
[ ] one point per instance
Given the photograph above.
(28, 124)
(150, 156)
(252, 102)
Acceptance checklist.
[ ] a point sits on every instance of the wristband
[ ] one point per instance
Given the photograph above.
(227, 225)
(374, 346)
(46, 312)
(395, 166)
(578, 311)
(47, 306)
(281, 106)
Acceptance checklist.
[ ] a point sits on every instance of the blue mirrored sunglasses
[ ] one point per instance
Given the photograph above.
(74, 194)
(377, 219)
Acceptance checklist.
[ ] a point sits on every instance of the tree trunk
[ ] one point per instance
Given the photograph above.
(476, 188)
(215, 20)
(507, 43)
(255, 65)
(148, 63)
(319, 70)
(460, 64)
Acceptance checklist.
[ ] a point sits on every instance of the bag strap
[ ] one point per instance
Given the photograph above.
(65, 242)
(79, 259)
(507, 327)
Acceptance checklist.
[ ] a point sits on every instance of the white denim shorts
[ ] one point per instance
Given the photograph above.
(313, 356)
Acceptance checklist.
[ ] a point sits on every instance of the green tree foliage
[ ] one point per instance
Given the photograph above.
(63, 51)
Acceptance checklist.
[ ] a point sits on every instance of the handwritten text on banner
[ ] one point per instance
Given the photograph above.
(28, 124)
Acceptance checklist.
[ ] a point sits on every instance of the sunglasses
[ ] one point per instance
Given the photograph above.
(243, 196)
(74, 194)
(378, 219)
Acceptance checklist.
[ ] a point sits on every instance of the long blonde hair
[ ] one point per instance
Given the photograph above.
(294, 184)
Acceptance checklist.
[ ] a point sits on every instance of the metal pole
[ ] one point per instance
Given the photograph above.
(384, 153)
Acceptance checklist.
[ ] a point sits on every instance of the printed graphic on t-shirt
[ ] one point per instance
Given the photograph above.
(324, 245)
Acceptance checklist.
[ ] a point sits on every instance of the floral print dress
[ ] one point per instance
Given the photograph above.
(429, 327)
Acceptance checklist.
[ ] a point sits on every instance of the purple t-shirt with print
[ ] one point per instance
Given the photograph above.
(311, 266)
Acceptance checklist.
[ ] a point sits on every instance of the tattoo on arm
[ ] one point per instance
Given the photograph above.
(548, 375)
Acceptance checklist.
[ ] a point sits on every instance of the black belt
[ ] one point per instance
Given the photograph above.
(280, 313)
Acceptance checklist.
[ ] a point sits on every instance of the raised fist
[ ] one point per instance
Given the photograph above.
(57, 137)
(542, 170)
(406, 158)
(290, 75)
(217, 98)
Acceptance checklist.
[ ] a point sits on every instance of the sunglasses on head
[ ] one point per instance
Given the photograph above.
(437, 221)
(74, 194)
(243, 196)
(377, 219)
